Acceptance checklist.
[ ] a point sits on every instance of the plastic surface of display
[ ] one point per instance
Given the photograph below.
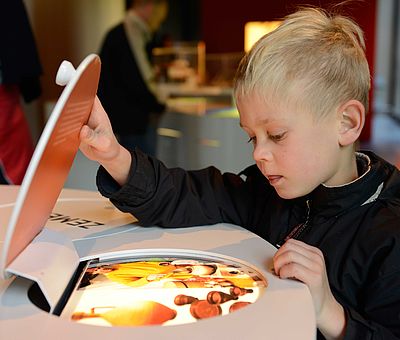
(52, 158)
(101, 233)
(52, 272)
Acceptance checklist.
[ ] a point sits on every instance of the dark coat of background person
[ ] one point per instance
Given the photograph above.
(122, 89)
(20, 69)
(19, 58)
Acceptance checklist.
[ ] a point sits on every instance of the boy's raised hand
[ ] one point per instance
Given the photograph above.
(99, 143)
(298, 260)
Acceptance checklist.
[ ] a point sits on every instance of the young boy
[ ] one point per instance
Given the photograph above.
(302, 92)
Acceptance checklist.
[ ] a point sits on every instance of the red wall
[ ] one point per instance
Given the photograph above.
(222, 24)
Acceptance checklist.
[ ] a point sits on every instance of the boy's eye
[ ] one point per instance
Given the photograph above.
(277, 137)
(252, 140)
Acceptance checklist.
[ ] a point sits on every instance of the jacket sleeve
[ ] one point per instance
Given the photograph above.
(174, 197)
(359, 327)
(378, 313)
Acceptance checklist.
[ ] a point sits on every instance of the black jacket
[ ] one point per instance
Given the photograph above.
(19, 59)
(122, 89)
(357, 226)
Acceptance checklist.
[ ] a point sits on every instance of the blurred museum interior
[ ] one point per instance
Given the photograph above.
(205, 41)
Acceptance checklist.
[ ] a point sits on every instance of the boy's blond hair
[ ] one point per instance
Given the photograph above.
(312, 59)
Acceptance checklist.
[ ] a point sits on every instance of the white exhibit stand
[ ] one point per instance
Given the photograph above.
(284, 311)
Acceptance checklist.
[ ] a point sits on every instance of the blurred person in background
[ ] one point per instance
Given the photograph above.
(19, 76)
(127, 80)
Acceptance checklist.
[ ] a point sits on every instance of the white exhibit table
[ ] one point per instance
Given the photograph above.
(96, 228)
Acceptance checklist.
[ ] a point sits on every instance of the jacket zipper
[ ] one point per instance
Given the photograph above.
(298, 229)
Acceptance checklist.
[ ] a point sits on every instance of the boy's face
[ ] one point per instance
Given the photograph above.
(294, 151)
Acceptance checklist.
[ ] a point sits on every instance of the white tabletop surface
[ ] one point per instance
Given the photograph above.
(96, 228)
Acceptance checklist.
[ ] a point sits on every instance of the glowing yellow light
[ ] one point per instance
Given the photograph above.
(254, 30)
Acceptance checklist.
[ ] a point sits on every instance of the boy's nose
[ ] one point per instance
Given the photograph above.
(262, 153)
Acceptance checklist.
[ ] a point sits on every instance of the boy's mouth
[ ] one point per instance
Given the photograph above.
(273, 179)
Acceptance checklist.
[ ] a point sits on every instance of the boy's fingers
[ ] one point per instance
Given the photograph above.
(96, 114)
(87, 134)
(296, 271)
(94, 140)
(290, 257)
(300, 247)
(99, 141)
(303, 245)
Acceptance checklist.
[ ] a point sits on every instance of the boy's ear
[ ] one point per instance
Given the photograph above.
(351, 118)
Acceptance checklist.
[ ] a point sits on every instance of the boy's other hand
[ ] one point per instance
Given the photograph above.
(298, 260)
(99, 143)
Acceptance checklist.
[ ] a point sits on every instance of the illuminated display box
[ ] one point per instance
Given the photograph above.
(162, 290)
